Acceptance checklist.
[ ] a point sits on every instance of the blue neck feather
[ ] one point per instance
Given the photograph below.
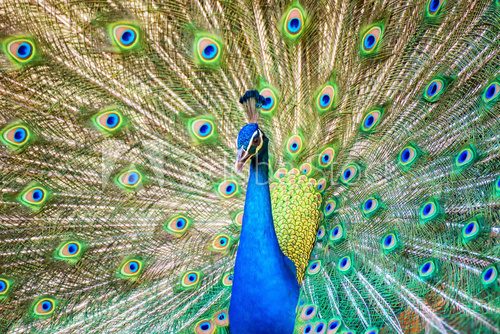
(265, 289)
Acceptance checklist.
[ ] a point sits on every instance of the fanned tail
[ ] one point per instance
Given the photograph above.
(120, 210)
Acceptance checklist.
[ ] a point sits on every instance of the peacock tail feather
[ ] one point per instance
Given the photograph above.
(120, 210)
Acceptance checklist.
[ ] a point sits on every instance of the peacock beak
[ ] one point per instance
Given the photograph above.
(241, 158)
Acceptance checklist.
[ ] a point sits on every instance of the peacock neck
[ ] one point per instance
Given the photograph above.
(258, 227)
(265, 290)
(258, 179)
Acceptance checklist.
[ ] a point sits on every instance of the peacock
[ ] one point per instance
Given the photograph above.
(249, 166)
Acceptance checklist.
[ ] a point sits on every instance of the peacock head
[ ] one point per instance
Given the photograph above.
(251, 139)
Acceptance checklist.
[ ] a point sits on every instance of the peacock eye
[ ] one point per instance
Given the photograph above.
(221, 243)
(228, 188)
(207, 49)
(314, 267)
(44, 307)
(221, 318)
(256, 141)
(131, 269)
(69, 251)
(271, 100)
(435, 89)
(227, 279)
(293, 22)
(371, 39)
(191, 280)
(130, 179)
(205, 326)
(15, 136)
(109, 121)
(309, 310)
(20, 50)
(125, 36)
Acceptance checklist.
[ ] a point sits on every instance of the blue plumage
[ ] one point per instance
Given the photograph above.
(265, 289)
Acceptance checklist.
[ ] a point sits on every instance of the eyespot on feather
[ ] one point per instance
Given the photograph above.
(16, 136)
(326, 98)
(208, 49)
(371, 120)
(205, 326)
(435, 89)
(70, 251)
(306, 169)
(221, 318)
(390, 242)
(228, 189)
(238, 219)
(34, 196)
(109, 121)
(191, 280)
(464, 158)
(202, 129)
(177, 225)
(221, 243)
(308, 312)
(314, 267)
(489, 276)
(44, 307)
(491, 92)
(371, 39)
(131, 268)
(271, 100)
(427, 269)
(334, 326)
(434, 8)
(345, 264)
(321, 186)
(337, 234)
(408, 157)
(5, 287)
(20, 50)
(294, 146)
(330, 206)
(472, 228)
(293, 22)
(320, 327)
(130, 179)
(326, 157)
(371, 206)
(429, 211)
(349, 174)
(227, 279)
(125, 36)
(307, 328)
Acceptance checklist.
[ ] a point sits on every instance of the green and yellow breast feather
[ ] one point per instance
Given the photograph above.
(296, 206)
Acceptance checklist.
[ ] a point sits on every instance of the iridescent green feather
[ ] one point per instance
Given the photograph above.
(125, 36)
(34, 196)
(371, 39)
(70, 251)
(16, 136)
(271, 96)
(294, 22)
(6, 287)
(21, 50)
(207, 49)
